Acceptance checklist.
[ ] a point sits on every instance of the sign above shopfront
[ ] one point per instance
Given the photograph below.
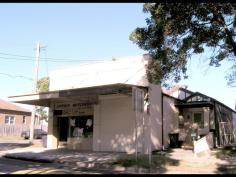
(74, 109)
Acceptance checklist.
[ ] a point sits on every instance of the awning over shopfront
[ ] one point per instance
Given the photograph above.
(83, 95)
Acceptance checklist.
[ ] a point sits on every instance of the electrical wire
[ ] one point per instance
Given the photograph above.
(50, 60)
(31, 58)
(15, 76)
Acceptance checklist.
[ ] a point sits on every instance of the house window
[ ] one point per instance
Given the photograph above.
(9, 120)
(24, 120)
(198, 118)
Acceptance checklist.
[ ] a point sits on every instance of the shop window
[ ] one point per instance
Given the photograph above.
(81, 126)
(198, 118)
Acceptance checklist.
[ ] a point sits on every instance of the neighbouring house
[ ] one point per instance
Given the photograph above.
(13, 119)
(213, 118)
(111, 106)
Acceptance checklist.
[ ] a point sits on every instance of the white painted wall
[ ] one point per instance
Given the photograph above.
(52, 136)
(129, 70)
(170, 118)
(114, 124)
(155, 116)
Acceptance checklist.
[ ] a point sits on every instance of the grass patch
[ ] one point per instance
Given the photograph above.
(227, 151)
(157, 161)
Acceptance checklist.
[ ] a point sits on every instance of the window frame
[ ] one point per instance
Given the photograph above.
(201, 124)
(11, 120)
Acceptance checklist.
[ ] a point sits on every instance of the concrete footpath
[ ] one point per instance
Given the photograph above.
(101, 162)
(71, 160)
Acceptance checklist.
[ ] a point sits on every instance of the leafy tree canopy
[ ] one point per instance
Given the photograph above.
(42, 86)
(176, 31)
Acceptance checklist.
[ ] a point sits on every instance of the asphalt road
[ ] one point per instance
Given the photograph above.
(14, 166)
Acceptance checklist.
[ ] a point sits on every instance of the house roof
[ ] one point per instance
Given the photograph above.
(212, 99)
(186, 90)
(167, 95)
(184, 103)
(172, 89)
(5, 105)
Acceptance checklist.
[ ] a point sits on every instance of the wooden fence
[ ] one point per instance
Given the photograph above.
(12, 130)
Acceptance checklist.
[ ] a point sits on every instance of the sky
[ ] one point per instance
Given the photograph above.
(83, 31)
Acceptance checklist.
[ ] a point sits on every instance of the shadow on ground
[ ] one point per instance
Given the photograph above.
(156, 163)
(102, 162)
(11, 146)
(228, 156)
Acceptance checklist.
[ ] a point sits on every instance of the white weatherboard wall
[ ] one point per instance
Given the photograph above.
(129, 70)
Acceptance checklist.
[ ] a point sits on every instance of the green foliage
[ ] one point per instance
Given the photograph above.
(176, 31)
(42, 112)
(228, 151)
(42, 86)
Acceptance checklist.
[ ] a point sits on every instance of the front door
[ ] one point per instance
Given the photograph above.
(63, 128)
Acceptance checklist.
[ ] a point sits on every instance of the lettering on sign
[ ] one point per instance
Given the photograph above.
(74, 109)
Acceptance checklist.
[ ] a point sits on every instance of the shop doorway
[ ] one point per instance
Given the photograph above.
(63, 123)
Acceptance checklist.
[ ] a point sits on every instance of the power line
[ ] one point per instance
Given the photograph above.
(50, 60)
(15, 76)
(31, 58)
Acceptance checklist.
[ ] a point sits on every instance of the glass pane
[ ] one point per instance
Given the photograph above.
(198, 119)
(11, 120)
(6, 120)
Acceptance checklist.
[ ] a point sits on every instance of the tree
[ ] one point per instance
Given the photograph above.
(42, 86)
(176, 31)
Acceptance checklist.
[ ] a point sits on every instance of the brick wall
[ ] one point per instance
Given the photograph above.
(17, 115)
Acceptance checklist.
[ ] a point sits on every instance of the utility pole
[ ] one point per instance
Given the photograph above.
(35, 91)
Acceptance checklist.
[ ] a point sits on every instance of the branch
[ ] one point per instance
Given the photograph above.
(228, 33)
(230, 24)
